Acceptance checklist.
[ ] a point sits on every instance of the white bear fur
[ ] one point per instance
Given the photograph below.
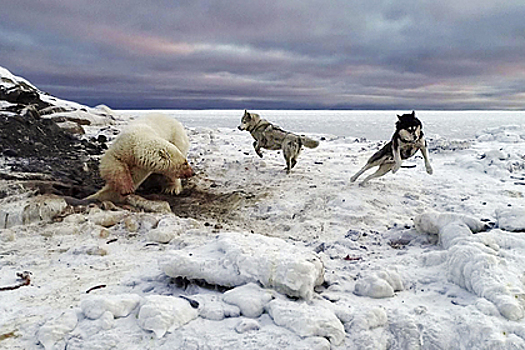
(155, 143)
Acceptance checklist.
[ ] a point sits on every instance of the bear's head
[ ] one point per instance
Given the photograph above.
(185, 171)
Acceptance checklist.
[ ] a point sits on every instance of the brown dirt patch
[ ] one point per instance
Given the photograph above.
(200, 199)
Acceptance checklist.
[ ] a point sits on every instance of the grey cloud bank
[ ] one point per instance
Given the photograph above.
(272, 54)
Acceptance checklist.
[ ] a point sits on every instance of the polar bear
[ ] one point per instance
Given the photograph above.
(155, 143)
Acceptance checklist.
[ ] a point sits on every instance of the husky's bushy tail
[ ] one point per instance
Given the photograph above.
(308, 142)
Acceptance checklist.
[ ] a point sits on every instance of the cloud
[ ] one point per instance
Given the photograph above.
(290, 54)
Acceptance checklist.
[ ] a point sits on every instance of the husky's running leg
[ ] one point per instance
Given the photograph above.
(291, 149)
(428, 167)
(257, 148)
(383, 169)
(360, 172)
(397, 159)
(290, 162)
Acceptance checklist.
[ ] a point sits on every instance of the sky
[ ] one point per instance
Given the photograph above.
(283, 54)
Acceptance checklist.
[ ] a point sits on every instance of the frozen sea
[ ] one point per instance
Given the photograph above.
(372, 125)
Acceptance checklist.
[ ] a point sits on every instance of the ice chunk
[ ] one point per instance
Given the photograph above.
(247, 325)
(31, 210)
(432, 222)
(162, 314)
(234, 259)
(120, 305)
(471, 266)
(474, 265)
(250, 298)
(511, 219)
(307, 319)
(211, 307)
(106, 218)
(168, 228)
(54, 331)
(379, 284)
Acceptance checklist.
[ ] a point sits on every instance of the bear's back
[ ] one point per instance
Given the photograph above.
(167, 128)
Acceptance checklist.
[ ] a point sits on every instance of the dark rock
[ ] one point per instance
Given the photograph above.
(40, 146)
(10, 153)
(102, 139)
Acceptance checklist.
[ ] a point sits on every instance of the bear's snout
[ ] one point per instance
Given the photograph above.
(186, 172)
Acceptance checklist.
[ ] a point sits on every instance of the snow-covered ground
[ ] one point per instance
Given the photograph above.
(300, 261)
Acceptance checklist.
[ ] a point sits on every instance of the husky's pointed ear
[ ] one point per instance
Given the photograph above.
(398, 116)
(413, 113)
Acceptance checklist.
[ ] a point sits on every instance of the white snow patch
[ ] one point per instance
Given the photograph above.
(473, 265)
(121, 305)
(234, 259)
(31, 210)
(161, 314)
(511, 219)
(379, 284)
(307, 319)
(54, 331)
(250, 299)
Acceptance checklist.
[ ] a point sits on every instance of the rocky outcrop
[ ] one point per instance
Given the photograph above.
(39, 135)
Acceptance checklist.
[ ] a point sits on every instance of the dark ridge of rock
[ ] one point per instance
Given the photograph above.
(40, 146)
(22, 95)
(32, 147)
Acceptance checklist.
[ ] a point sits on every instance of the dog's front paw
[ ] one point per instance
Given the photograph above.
(429, 170)
(259, 153)
(396, 167)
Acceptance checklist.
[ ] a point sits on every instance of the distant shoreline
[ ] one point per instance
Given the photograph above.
(369, 124)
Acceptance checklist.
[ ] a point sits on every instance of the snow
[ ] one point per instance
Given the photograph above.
(234, 259)
(9, 80)
(249, 298)
(165, 313)
(379, 284)
(300, 261)
(30, 210)
(118, 305)
(474, 263)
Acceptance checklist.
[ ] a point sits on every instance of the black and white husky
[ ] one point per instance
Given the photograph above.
(272, 137)
(406, 141)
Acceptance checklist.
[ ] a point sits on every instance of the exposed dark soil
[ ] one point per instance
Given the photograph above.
(197, 200)
(33, 145)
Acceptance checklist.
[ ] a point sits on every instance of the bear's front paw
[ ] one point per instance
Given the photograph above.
(173, 189)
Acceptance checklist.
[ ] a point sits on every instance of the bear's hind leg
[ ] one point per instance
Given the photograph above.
(119, 178)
